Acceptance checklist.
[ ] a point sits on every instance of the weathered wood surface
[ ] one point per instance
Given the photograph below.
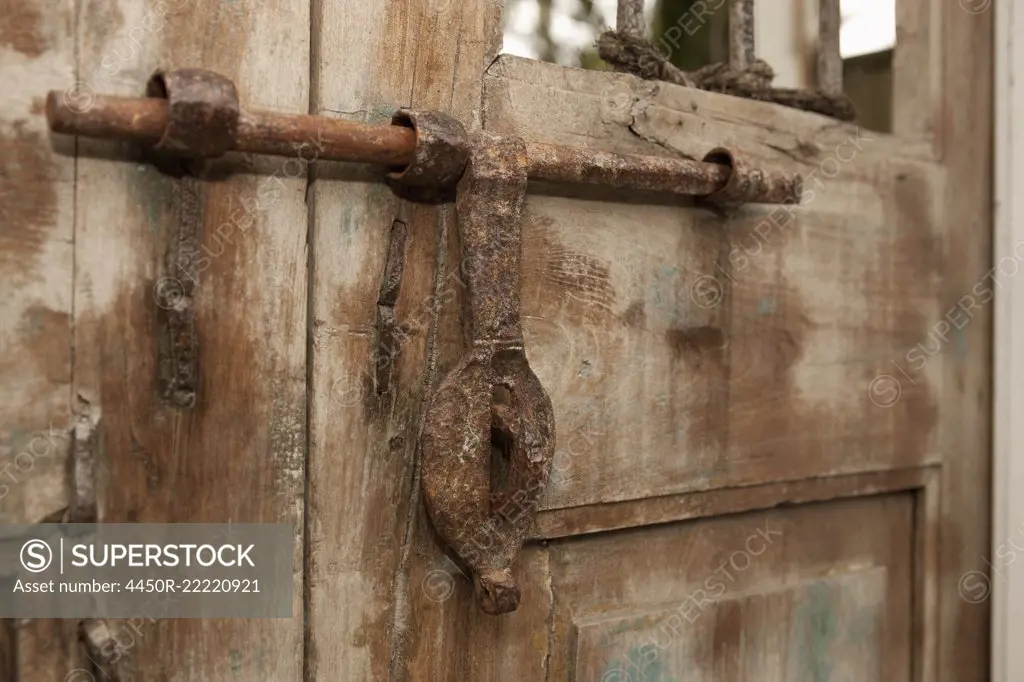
(49, 651)
(37, 195)
(238, 454)
(8, 648)
(965, 403)
(700, 362)
(788, 594)
(36, 262)
(919, 86)
(600, 518)
(367, 531)
(689, 349)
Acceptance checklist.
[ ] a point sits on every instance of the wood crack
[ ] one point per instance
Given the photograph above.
(398, 664)
(178, 352)
(388, 331)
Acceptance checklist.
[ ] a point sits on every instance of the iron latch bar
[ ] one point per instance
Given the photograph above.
(222, 126)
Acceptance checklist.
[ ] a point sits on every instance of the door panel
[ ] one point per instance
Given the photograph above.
(791, 594)
(689, 348)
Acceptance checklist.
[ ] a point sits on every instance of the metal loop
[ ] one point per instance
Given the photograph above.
(747, 184)
(202, 109)
(442, 150)
(482, 508)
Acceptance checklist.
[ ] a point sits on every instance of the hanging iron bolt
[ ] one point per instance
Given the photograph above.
(490, 398)
(157, 121)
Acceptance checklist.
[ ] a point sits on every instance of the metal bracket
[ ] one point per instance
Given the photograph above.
(483, 506)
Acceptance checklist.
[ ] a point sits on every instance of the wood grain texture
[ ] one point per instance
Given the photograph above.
(600, 518)
(8, 651)
(238, 455)
(789, 593)
(965, 402)
(37, 53)
(48, 651)
(815, 628)
(917, 70)
(702, 363)
(455, 640)
(36, 255)
(688, 349)
(367, 532)
(927, 576)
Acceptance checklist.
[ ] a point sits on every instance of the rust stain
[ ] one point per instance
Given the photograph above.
(20, 28)
(28, 198)
(687, 342)
(46, 337)
(916, 243)
(635, 315)
(727, 639)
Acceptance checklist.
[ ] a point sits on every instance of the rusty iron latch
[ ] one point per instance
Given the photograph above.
(482, 506)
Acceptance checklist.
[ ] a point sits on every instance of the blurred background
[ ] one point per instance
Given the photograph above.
(693, 33)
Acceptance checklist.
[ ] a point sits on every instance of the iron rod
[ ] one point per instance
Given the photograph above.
(144, 120)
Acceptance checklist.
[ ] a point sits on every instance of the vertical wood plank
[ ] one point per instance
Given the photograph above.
(927, 517)
(49, 651)
(366, 523)
(8, 647)
(1008, 339)
(238, 454)
(965, 403)
(36, 251)
(37, 53)
(917, 69)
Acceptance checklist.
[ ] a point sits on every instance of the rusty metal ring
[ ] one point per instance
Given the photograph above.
(202, 112)
(747, 184)
(442, 150)
(485, 524)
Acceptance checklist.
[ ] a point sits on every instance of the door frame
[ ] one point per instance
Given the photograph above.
(1008, 334)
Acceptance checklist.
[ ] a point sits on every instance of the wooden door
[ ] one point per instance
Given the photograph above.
(772, 455)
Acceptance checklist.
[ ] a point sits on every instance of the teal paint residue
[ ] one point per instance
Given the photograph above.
(16, 441)
(641, 663)
(382, 114)
(627, 625)
(815, 630)
(766, 306)
(348, 225)
(664, 288)
(960, 343)
(155, 194)
(862, 629)
(33, 322)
